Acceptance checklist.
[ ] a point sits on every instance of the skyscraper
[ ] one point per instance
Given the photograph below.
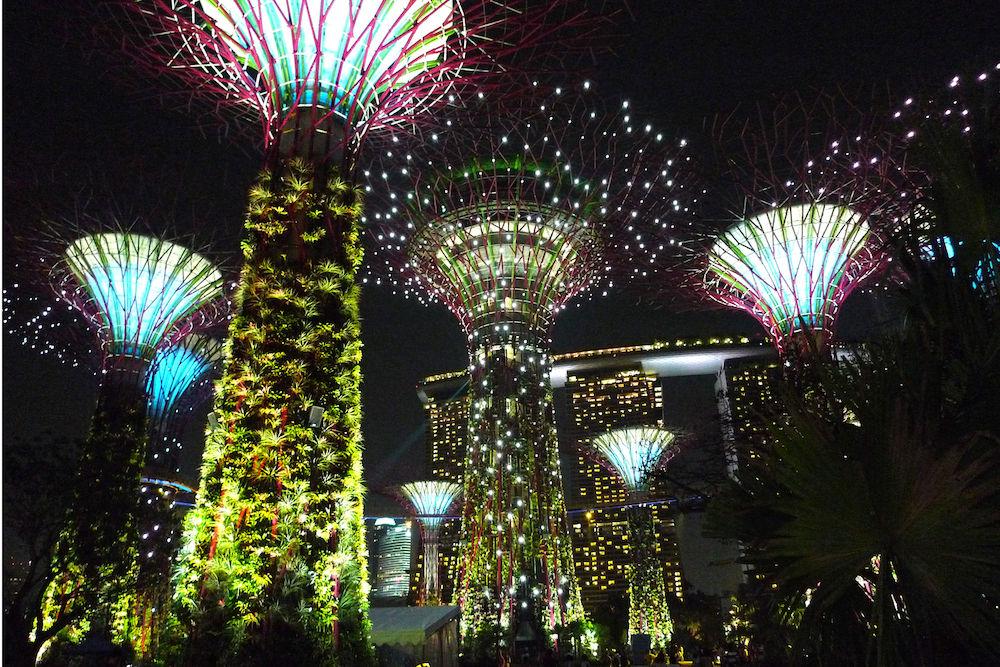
(596, 391)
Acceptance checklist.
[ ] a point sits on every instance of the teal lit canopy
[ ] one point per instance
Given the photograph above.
(176, 368)
(334, 54)
(635, 452)
(136, 287)
(431, 499)
(792, 267)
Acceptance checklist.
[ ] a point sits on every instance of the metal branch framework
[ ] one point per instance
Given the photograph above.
(820, 190)
(134, 289)
(635, 453)
(505, 223)
(342, 67)
(430, 500)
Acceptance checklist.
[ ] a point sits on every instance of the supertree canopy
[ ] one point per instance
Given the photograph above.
(136, 292)
(505, 223)
(818, 193)
(793, 267)
(430, 501)
(320, 76)
(135, 288)
(633, 454)
(954, 137)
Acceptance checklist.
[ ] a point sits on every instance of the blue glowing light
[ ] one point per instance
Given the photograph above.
(335, 54)
(175, 369)
(431, 499)
(140, 287)
(986, 270)
(791, 267)
(635, 452)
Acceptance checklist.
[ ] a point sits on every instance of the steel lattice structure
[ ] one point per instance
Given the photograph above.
(430, 500)
(504, 224)
(325, 73)
(320, 76)
(633, 454)
(135, 289)
(818, 189)
(179, 380)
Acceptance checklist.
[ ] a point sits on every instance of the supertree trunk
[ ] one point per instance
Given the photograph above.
(97, 551)
(273, 569)
(517, 564)
(432, 580)
(648, 612)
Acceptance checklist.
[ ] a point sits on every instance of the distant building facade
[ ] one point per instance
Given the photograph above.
(391, 560)
(596, 391)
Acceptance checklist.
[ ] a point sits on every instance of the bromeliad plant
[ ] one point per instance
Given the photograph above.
(273, 563)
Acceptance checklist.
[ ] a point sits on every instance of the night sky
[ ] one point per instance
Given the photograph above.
(80, 119)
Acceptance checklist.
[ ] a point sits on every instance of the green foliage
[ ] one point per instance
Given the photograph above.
(648, 612)
(273, 567)
(96, 555)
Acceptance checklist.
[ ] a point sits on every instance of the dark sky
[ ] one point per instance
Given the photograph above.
(76, 119)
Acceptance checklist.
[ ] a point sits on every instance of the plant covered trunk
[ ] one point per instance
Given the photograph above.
(517, 562)
(273, 566)
(95, 557)
(648, 612)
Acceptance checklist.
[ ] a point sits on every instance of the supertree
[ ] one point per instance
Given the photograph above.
(163, 500)
(276, 538)
(633, 454)
(136, 292)
(505, 223)
(818, 197)
(178, 382)
(430, 500)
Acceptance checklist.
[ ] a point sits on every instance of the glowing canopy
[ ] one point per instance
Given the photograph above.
(137, 287)
(431, 499)
(635, 452)
(512, 258)
(336, 54)
(177, 368)
(791, 267)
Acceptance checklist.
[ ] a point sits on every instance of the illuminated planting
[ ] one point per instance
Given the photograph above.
(505, 226)
(792, 268)
(137, 293)
(135, 288)
(431, 500)
(322, 77)
(634, 454)
(162, 503)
